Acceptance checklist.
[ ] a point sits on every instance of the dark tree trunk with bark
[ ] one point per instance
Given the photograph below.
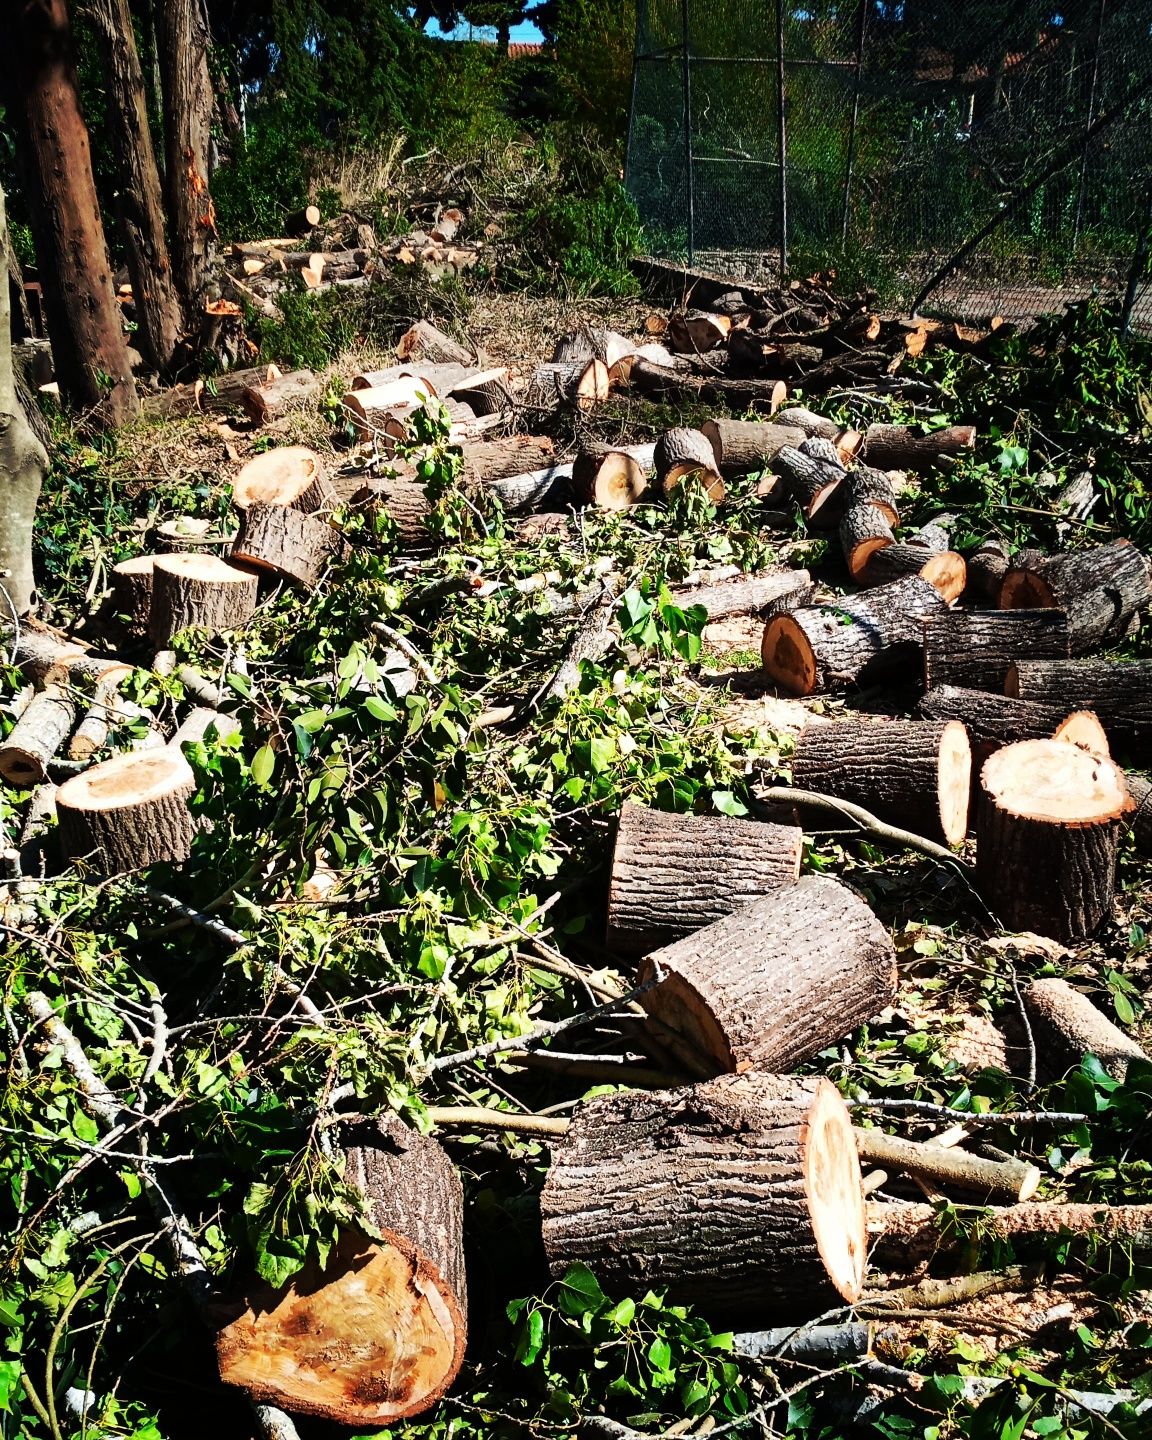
(976, 648)
(40, 88)
(184, 43)
(993, 721)
(1100, 590)
(1119, 692)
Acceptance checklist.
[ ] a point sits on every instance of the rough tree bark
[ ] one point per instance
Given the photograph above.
(183, 43)
(40, 89)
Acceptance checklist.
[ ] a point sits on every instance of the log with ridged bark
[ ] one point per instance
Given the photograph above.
(581, 385)
(992, 721)
(131, 584)
(826, 646)
(379, 1333)
(673, 874)
(741, 1196)
(987, 567)
(866, 486)
(774, 982)
(612, 477)
(1048, 820)
(1067, 1026)
(406, 505)
(771, 594)
(863, 531)
(128, 812)
(944, 569)
(916, 774)
(682, 452)
(847, 442)
(198, 590)
(814, 477)
(491, 460)
(898, 447)
(287, 475)
(976, 648)
(37, 737)
(1100, 590)
(1118, 692)
(742, 446)
(990, 1179)
(293, 391)
(1140, 818)
(286, 542)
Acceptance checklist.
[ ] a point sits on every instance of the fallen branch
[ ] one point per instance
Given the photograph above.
(785, 794)
(933, 1294)
(1008, 1179)
(480, 1118)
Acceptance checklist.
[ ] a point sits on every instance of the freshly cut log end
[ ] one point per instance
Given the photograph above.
(289, 475)
(379, 1334)
(815, 482)
(424, 342)
(1068, 1026)
(37, 737)
(680, 453)
(581, 385)
(1082, 728)
(128, 812)
(945, 570)
(773, 982)
(1047, 827)
(866, 486)
(286, 542)
(293, 391)
(369, 410)
(913, 774)
(741, 1196)
(697, 332)
(608, 479)
(199, 590)
(672, 874)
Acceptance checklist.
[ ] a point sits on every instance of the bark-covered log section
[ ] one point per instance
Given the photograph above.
(37, 737)
(1047, 825)
(672, 874)
(742, 446)
(764, 595)
(895, 447)
(992, 721)
(611, 477)
(775, 981)
(1100, 590)
(863, 531)
(680, 453)
(1118, 692)
(379, 1334)
(132, 590)
(915, 774)
(1067, 1026)
(286, 542)
(198, 590)
(128, 812)
(944, 569)
(741, 1196)
(976, 648)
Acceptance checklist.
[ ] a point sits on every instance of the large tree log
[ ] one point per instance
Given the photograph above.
(944, 569)
(198, 590)
(682, 452)
(379, 1334)
(498, 459)
(287, 475)
(743, 446)
(287, 542)
(580, 386)
(612, 477)
(898, 447)
(774, 982)
(992, 721)
(292, 391)
(976, 648)
(1067, 1026)
(1100, 590)
(37, 737)
(1118, 692)
(914, 774)
(861, 636)
(128, 812)
(741, 1196)
(673, 874)
(764, 595)
(424, 342)
(1047, 825)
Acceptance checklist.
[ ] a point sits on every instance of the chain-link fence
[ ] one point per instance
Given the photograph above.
(978, 158)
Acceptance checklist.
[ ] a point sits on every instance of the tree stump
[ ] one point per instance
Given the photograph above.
(1047, 825)
(826, 646)
(915, 774)
(897, 447)
(1067, 1026)
(286, 542)
(863, 531)
(128, 812)
(866, 486)
(379, 1334)
(743, 446)
(37, 737)
(976, 649)
(1118, 692)
(680, 453)
(775, 981)
(611, 477)
(132, 591)
(943, 569)
(673, 874)
(289, 475)
(1100, 590)
(198, 590)
(741, 1196)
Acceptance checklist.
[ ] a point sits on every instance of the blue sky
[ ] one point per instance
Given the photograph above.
(525, 33)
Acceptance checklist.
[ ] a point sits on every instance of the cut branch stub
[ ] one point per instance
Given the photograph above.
(132, 590)
(975, 649)
(914, 774)
(289, 475)
(286, 542)
(741, 1196)
(379, 1334)
(775, 981)
(1047, 825)
(680, 453)
(673, 874)
(128, 812)
(198, 590)
(1100, 590)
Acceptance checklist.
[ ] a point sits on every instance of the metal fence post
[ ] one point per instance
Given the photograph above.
(1092, 85)
(686, 64)
(850, 168)
(781, 104)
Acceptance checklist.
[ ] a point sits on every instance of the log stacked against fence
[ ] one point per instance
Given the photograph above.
(1118, 692)
(379, 1333)
(741, 1196)
(1100, 590)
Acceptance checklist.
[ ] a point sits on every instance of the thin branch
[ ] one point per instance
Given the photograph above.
(972, 1117)
(481, 1118)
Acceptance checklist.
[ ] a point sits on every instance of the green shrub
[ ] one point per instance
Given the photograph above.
(584, 241)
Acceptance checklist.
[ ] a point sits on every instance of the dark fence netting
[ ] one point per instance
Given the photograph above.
(975, 158)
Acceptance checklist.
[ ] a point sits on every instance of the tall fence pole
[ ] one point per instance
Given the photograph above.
(641, 29)
(1093, 83)
(781, 106)
(850, 168)
(1139, 266)
(689, 161)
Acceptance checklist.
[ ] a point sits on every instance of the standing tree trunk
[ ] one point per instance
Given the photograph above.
(140, 202)
(184, 42)
(40, 89)
(23, 461)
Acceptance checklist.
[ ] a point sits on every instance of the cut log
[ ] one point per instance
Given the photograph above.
(914, 774)
(987, 568)
(373, 379)
(664, 381)
(1140, 818)
(37, 835)
(696, 332)
(408, 508)
(814, 477)
(579, 386)
(680, 453)
(497, 459)
(992, 721)
(1067, 1026)
(1047, 825)
(673, 874)
(620, 371)
(293, 391)
(1082, 728)
(37, 737)
(369, 409)
(302, 222)
(379, 1333)
(424, 342)
(198, 722)
(44, 655)
(751, 352)
(763, 595)
(519, 493)
(823, 1346)
(198, 590)
(107, 708)
(898, 447)
(863, 531)
(774, 982)
(132, 590)
(740, 1196)
(591, 342)
(807, 420)
(945, 570)
(128, 812)
(288, 475)
(286, 542)
(976, 649)
(826, 646)
(1012, 1180)
(485, 392)
(1100, 590)
(741, 447)
(612, 478)
(866, 486)
(1118, 692)
(935, 535)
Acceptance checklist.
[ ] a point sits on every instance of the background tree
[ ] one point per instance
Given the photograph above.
(38, 72)
(184, 43)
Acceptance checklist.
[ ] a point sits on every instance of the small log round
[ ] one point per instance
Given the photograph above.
(424, 342)
(1118, 692)
(128, 812)
(897, 447)
(914, 774)
(611, 478)
(814, 482)
(866, 486)
(741, 1196)
(673, 874)
(198, 590)
(303, 222)
(680, 453)
(744, 446)
(293, 391)
(1082, 728)
(1047, 825)
(976, 648)
(37, 737)
(696, 332)
(579, 386)
(370, 410)
(132, 590)
(379, 1333)
(775, 981)
(1100, 590)
(286, 542)
(1067, 1026)
(288, 475)
(945, 570)
(987, 568)
(863, 531)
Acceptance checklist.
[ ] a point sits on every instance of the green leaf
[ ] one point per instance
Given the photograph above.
(601, 753)
(727, 803)
(263, 764)
(379, 710)
(531, 1338)
(622, 1314)
(660, 1354)
(1123, 1007)
(10, 1372)
(579, 1292)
